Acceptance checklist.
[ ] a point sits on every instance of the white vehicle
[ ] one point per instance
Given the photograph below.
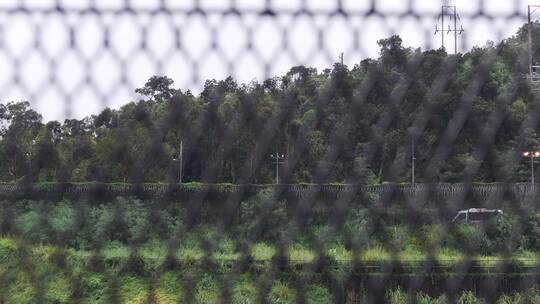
(476, 215)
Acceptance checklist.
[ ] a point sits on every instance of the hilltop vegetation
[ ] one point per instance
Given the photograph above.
(469, 115)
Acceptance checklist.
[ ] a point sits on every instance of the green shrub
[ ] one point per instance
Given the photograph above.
(207, 290)
(124, 222)
(318, 213)
(58, 289)
(431, 236)
(317, 294)
(321, 234)
(532, 295)
(135, 217)
(135, 265)
(100, 219)
(396, 237)
(513, 299)
(117, 228)
(21, 290)
(499, 230)
(94, 286)
(397, 296)
(8, 252)
(244, 291)
(468, 297)
(422, 298)
(532, 231)
(133, 289)
(62, 221)
(7, 215)
(356, 224)
(34, 226)
(85, 226)
(262, 214)
(281, 293)
(170, 283)
(167, 222)
(469, 238)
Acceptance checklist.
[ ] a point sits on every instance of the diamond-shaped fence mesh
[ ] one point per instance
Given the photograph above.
(401, 179)
(93, 54)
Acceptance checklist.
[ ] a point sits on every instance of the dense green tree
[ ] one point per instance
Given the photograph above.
(469, 115)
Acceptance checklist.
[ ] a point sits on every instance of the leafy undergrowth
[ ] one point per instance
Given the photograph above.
(154, 254)
(45, 274)
(399, 296)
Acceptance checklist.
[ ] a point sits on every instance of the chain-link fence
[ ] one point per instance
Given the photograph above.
(402, 179)
(75, 58)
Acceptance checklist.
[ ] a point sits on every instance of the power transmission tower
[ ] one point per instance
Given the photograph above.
(533, 74)
(449, 11)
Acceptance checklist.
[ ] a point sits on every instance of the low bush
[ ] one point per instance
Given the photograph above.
(8, 252)
(317, 294)
(468, 297)
(396, 238)
(500, 232)
(532, 231)
(431, 236)
(260, 216)
(34, 226)
(281, 293)
(206, 290)
(356, 228)
(244, 291)
(397, 296)
(512, 299)
(469, 238)
(62, 221)
(422, 298)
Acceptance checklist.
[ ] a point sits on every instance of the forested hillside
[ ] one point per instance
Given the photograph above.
(469, 115)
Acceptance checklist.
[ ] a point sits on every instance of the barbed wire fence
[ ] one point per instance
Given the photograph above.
(63, 56)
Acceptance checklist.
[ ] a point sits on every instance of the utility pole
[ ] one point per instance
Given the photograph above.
(341, 58)
(278, 160)
(531, 9)
(453, 15)
(413, 158)
(180, 160)
(532, 169)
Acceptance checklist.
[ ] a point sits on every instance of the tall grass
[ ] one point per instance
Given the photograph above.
(468, 297)
(397, 296)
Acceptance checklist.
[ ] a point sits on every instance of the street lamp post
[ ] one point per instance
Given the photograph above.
(278, 160)
(180, 161)
(532, 155)
(413, 158)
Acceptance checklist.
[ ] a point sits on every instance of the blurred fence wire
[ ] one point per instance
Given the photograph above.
(73, 58)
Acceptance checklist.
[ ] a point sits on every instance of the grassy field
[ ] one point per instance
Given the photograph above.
(133, 251)
(154, 253)
(46, 274)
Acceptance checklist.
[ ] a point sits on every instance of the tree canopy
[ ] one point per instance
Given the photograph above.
(468, 115)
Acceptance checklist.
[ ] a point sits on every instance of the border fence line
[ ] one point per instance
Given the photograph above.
(441, 190)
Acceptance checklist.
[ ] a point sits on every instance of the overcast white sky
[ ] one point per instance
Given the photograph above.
(63, 81)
